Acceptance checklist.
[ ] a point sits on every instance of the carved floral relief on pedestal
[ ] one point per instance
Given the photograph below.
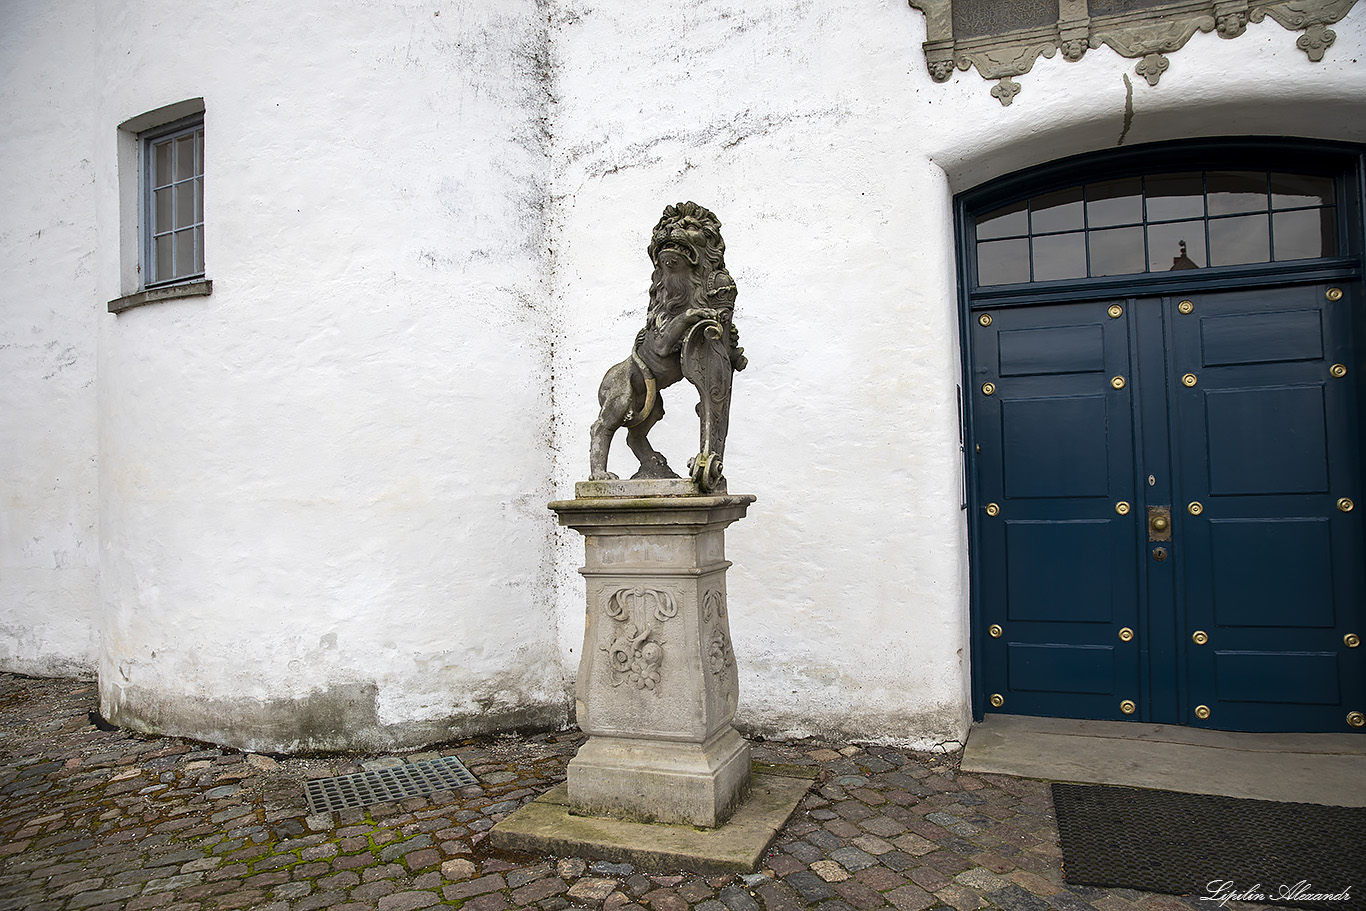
(1146, 32)
(720, 656)
(635, 650)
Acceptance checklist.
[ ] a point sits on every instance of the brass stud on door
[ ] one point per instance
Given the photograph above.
(1334, 294)
(1200, 637)
(1356, 719)
(1186, 307)
(1126, 635)
(1202, 712)
(993, 509)
(1338, 370)
(1122, 508)
(1189, 380)
(995, 630)
(1116, 311)
(997, 700)
(1351, 640)
(1346, 505)
(1195, 508)
(1117, 382)
(984, 319)
(988, 388)
(1128, 707)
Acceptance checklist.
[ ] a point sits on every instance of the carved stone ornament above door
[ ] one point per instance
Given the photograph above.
(1003, 38)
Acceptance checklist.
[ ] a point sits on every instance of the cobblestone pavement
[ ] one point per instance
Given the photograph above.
(95, 820)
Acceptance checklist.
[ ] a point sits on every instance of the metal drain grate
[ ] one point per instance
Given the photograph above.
(360, 789)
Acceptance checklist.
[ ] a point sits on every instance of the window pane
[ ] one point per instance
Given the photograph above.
(199, 200)
(1004, 222)
(1060, 211)
(161, 155)
(1060, 256)
(1245, 239)
(184, 157)
(1003, 262)
(184, 253)
(1236, 191)
(184, 205)
(1117, 251)
(1114, 202)
(1176, 245)
(163, 268)
(1173, 196)
(161, 218)
(1306, 234)
(199, 250)
(1289, 190)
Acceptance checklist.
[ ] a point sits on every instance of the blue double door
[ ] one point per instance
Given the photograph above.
(1168, 509)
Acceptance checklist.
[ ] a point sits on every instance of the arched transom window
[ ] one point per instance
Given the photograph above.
(1157, 223)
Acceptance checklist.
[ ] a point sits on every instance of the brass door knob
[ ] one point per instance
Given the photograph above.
(1126, 635)
(995, 630)
(1199, 637)
(997, 700)
(1351, 640)
(1128, 707)
(1160, 523)
(1202, 712)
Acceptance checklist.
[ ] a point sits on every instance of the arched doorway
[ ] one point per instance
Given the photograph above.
(1163, 357)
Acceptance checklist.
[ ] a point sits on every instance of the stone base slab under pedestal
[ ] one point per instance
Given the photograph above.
(546, 826)
(664, 781)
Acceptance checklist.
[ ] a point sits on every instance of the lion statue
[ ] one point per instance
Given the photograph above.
(688, 333)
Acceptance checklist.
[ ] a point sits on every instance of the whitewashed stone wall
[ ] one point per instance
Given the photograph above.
(49, 575)
(321, 489)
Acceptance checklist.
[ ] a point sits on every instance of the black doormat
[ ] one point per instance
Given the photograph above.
(1206, 847)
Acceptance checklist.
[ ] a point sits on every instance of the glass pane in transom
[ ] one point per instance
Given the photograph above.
(1003, 262)
(1117, 251)
(1060, 211)
(1060, 256)
(1007, 221)
(1114, 202)
(1174, 196)
(1292, 190)
(1176, 245)
(1238, 240)
(1304, 234)
(1233, 192)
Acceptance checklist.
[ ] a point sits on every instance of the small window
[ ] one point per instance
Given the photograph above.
(173, 202)
(1157, 223)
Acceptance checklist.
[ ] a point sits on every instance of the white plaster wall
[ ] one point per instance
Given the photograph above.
(323, 487)
(816, 134)
(48, 554)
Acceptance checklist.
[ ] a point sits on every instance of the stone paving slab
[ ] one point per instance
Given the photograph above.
(95, 820)
(546, 826)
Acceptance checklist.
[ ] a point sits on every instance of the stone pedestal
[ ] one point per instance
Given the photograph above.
(657, 686)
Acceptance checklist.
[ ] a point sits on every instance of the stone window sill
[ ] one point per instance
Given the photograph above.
(201, 288)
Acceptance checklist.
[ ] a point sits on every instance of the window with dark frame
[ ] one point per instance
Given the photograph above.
(1156, 223)
(173, 202)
